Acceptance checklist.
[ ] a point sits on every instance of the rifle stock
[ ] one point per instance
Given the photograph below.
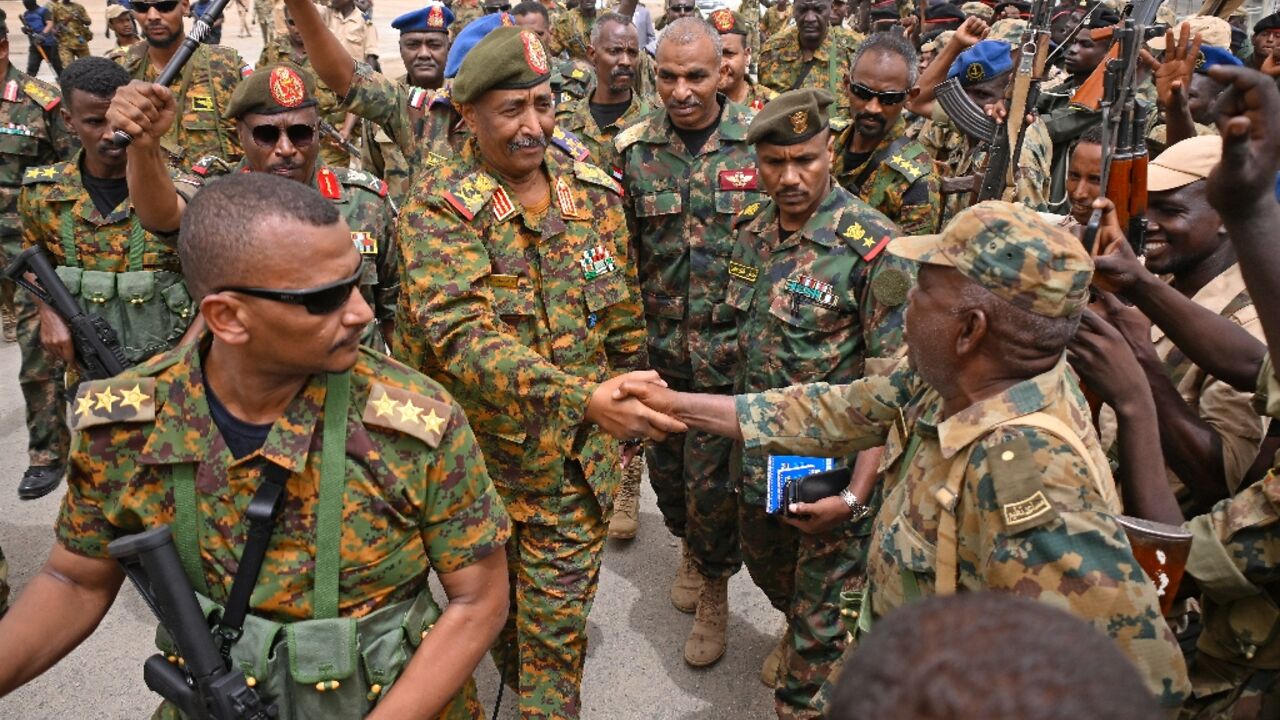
(1089, 94)
(1161, 550)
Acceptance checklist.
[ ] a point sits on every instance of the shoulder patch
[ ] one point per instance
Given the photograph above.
(890, 287)
(569, 144)
(44, 95)
(114, 400)
(42, 174)
(589, 173)
(471, 194)
(1015, 477)
(630, 136)
(907, 165)
(864, 241)
(407, 412)
(361, 179)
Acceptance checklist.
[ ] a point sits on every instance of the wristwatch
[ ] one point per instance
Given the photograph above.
(855, 505)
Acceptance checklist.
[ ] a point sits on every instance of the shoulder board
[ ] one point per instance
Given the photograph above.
(569, 144)
(43, 174)
(630, 136)
(328, 184)
(907, 164)
(471, 194)
(361, 179)
(42, 93)
(407, 412)
(114, 400)
(1016, 480)
(587, 172)
(210, 165)
(748, 213)
(868, 242)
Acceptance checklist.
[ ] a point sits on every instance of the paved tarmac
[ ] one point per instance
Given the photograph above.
(635, 667)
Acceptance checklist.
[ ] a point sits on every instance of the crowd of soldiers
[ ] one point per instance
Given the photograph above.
(449, 321)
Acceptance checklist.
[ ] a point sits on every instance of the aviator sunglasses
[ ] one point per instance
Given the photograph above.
(321, 300)
(886, 97)
(300, 135)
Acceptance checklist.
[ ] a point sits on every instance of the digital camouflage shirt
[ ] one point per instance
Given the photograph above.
(521, 312)
(202, 92)
(383, 157)
(1033, 516)
(327, 102)
(782, 68)
(682, 208)
(897, 178)
(422, 123)
(32, 134)
(576, 117)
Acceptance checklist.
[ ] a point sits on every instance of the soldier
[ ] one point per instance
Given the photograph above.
(737, 55)
(187, 439)
(38, 136)
(120, 21)
(203, 89)
(71, 28)
(42, 45)
(262, 16)
(874, 157)
(571, 31)
(808, 56)
(80, 212)
(276, 116)
(999, 480)
(688, 172)
(358, 36)
(1084, 175)
(520, 298)
(776, 17)
(800, 282)
(289, 48)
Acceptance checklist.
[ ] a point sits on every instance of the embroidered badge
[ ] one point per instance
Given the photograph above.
(975, 72)
(503, 208)
(417, 98)
(201, 103)
(15, 129)
(11, 91)
(757, 104)
(856, 232)
(799, 121)
(366, 243)
(286, 87)
(534, 54)
(723, 20)
(504, 281)
(743, 272)
(596, 262)
(434, 159)
(328, 185)
(812, 290)
(564, 196)
(751, 210)
(1024, 510)
(435, 16)
(740, 179)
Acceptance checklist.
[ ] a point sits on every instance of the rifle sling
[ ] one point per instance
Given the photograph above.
(877, 159)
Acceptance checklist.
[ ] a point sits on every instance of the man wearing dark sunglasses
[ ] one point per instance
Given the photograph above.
(276, 118)
(380, 481)
(810, 55)
(874, 157)
(202, 91)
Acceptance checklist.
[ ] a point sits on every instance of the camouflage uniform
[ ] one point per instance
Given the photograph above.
(897, 179)
(575, 79)
(781, 68)
(416, 493)
(34, 135)
(683, 207)
(328, 103)
(758, 96)
(1034, 173)
(577, 119)
(202, 93)
(71, 28)
(750, 11)
(262, 16)
(570, 35)
(773, 22)
(464, 11)
(520, 313)
(382, 157)
(784, 337)
(371, 217)
(422, 123)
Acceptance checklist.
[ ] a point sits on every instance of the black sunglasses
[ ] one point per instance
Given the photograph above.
(321, 300)
(300, 135)
(680, 9)
(886, 97)
(164, 6)
(491, 9)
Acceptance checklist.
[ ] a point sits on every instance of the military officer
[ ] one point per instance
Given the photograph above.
(801, 285)
(808, 55)
(874, 157)
(997, 480)
(520, 298)
(688, 171)
(71, 28)
(276, 114)
(203, 89)
(736, 50)
(36, 134)
(186, 439)
(289, 48)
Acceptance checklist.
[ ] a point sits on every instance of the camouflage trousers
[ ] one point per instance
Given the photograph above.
(69, 52)
(41, 378)
(803, 576)
(554, 572)
(696, 494)
(1223, 690)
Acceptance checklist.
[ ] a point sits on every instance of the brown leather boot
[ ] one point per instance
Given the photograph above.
(688, 582)
(706, 640)
(626, 505)
(772, 666)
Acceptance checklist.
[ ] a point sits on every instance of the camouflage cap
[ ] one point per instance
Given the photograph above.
(728, 22)
(1213, 31)
(791, 118)
(978, 9)
(114, 11)
(1010, 250)
(273, 89)
(508, 58)
(1008, 30)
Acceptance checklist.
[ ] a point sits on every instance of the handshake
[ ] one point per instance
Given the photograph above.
(635, 405)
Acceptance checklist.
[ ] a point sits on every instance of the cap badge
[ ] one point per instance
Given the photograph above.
(435, 17)
(723, 20)
(975, 72)
(507, 21)
(799, 121)
(534, 54)
(287, 88)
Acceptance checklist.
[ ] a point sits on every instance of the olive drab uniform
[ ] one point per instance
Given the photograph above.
(202, 92)
(897, 178)
(363, 201)
(807, 311)
(71, 28)
(132, 278)
(683, 207)
(328, 104)
(344, 580)
(782, 69)
(520, 312)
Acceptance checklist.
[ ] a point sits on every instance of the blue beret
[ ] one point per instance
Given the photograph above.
(982, 62)
(1211, 55)
(473, 33)
(432, 18)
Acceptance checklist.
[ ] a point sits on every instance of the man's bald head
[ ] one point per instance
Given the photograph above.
(221, 238)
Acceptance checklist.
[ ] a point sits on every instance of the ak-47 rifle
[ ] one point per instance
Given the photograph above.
(1110, 89)
(182, 56)
(328, 130)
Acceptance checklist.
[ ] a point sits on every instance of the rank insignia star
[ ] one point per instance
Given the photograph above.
(133, 397)
(84, 405)
(106, 400)
(432, 421)
(410, 412)
(384, 406)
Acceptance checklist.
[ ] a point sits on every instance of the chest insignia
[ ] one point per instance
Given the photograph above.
(596, 262)
(812, 290)
(366, 243)
(745, 273)
(740, 179)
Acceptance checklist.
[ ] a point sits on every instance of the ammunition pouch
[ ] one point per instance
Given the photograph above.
(148, 309)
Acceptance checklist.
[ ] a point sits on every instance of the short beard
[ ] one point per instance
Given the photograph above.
(162, 44)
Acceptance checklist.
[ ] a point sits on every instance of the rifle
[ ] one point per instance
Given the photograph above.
(97, 346)
(328, 130)
(202, 686)
(1161, 551)
(180, 58)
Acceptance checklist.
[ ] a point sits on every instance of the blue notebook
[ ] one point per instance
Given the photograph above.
(783, 469)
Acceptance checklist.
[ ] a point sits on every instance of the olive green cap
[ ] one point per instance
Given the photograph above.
(1012, 251)
(728, 22)
(273, 89)
(508, 58)
(791, 118)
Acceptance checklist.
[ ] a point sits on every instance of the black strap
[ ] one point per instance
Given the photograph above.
(878, 159)
(804, 73)
(262, 512)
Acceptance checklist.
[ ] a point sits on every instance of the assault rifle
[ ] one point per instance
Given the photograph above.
(97, 346)
(1006, 147)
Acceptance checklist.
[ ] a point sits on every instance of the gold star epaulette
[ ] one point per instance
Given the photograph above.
(569, 144)
(587, 172)
(43, 174)
(44, 96)
(470, 195)
(407, 412)
(101, 402)
(865, 242)
(908, 167)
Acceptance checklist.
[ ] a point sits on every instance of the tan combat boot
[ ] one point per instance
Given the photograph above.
(688, 582)
(706, 640)
(772, 666)
(626, 506)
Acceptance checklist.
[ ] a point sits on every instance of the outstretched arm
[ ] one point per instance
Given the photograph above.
(329, 58)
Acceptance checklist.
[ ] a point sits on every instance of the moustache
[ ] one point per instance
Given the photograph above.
(692, 102)
(620, 72)
(869, 117)
(527, 143)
